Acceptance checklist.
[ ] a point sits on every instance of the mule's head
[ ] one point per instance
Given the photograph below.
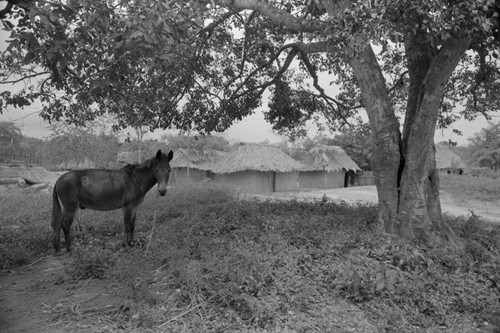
(161, 170)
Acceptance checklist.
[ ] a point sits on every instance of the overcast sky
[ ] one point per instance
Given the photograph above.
(251, 129)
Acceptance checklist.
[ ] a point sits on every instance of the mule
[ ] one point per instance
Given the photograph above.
(105, 190)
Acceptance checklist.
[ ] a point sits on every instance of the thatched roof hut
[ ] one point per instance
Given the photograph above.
(257, 158)
(196, 159)
(193, 164)
(327, 158)
(258, 169)
(447, 159)
(326, 167)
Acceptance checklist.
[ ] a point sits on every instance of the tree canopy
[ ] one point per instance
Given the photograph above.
(203, 64)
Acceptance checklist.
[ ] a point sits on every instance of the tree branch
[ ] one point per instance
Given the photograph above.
(328, 99)
(398, 82)
(210, 28)
(277, 15)
(294, 51)
(24, 78)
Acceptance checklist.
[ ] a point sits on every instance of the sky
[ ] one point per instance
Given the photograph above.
(253, 128)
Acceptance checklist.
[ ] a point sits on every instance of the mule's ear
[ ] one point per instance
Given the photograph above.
(158, 155)
(170, 156)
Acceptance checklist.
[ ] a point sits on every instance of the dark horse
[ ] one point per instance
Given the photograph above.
(107, 190)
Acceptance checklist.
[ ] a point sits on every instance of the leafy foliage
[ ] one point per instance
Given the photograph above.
(139, 60)
(118, 57)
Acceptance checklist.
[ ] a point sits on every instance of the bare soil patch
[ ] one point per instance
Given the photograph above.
(38, 298)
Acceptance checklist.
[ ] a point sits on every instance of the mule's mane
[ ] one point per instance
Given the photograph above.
(147, 163)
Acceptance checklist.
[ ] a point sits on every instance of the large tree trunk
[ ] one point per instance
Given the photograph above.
(386, 158)
(419, 211)
(404, 166)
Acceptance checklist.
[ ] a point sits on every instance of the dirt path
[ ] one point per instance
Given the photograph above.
(368, 194)
(36, 298)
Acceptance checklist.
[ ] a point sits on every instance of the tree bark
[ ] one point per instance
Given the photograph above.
(419, 211)
(386, 158)
(404, 166)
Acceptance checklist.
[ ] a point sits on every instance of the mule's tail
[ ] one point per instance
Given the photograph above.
(56, 218)
(56, 209)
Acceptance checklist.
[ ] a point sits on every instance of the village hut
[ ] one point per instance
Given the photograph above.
(448, 161)
(258, 169)
(77, 165)
(327, 167)
(193, 165)
(126, 157)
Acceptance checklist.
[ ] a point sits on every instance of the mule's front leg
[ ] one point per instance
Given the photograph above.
(129, 214)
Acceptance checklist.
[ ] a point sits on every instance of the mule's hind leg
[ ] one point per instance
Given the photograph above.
(67, 221)
(129, 214)
(56, 226)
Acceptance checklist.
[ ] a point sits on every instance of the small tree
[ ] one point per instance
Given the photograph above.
(486, 147)
(10, 134)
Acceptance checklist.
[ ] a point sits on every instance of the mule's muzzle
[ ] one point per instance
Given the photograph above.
(162, 192)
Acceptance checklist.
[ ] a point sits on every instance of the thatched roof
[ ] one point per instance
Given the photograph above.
(30, 173)
(196, 159)
(257, 158)
(447, 158)
(327, 158)
(126, 157)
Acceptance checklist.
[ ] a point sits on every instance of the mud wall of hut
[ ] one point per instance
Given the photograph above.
(286, 181)
(180, 176)
(258, 181)
(321, 179)
(247, 181)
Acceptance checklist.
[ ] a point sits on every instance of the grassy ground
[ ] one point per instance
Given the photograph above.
(206, 262)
